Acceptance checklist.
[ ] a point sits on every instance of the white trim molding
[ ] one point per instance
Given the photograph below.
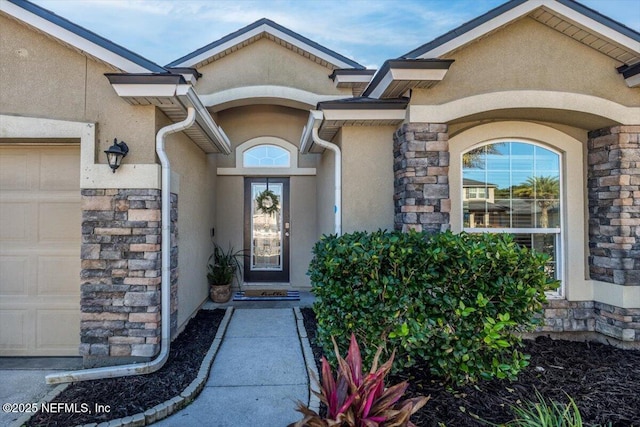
(241, 170)
(92, 174)
(444, 113)
(521, 11)
(265, 94)
(72, 39)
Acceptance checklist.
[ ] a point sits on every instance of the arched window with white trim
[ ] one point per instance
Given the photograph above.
(515, 187)
(266, 156)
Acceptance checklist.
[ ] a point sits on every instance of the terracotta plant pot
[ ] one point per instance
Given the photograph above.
(220, 293)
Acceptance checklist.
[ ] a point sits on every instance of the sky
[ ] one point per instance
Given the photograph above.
(367, 31)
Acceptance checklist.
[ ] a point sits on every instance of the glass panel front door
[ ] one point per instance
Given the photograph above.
(267, 229)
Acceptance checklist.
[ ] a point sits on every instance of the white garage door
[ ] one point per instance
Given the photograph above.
(40, 227)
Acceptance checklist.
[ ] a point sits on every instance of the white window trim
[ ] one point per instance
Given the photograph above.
(244, 153)
(558, 231)
(241, 170)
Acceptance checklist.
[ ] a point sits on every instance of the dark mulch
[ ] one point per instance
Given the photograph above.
(128, 396)
(603, 380)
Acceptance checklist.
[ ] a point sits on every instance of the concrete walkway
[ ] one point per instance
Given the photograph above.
(257, 376)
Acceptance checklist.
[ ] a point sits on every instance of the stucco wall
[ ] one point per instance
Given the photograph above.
(30, 63)
(326, 191)
(230, 220)
(193, 176)
(266, 63)
(529, 55)
(244, 123)
(367, 178)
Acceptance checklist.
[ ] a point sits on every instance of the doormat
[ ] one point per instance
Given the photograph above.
(267, 295)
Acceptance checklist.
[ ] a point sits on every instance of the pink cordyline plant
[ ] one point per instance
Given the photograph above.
(357, 400)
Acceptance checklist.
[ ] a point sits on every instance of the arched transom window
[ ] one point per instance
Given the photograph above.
(514, 187)
(266, 155)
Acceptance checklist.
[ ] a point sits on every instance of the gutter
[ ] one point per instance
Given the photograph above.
(159, 361)
(310, 133)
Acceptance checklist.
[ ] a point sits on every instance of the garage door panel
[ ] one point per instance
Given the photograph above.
(14, 171)
(52, 162)
(58, 330)
(14, 271)
(40, 234)
(59, 221)
(58, 275)
(14, 338)
(14, 221)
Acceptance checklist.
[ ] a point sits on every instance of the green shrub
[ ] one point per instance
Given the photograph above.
(541, 413)
(455, 301)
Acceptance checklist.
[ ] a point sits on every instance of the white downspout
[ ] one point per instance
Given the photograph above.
(338, 175)
(159, 361)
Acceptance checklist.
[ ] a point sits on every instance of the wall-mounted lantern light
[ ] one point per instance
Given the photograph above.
(116, 153)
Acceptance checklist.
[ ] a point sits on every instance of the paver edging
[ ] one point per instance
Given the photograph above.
(307, 354)
(161, 410)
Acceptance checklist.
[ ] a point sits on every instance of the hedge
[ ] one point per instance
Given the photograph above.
(455, 303)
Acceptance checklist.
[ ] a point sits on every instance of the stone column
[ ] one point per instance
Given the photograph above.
(421, 169)
(614, 223)
(614, 205)
(121, 275)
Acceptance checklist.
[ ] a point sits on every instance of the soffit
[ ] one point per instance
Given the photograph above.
(585, 35)
(268, 36)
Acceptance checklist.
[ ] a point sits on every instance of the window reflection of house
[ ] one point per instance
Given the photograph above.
(478, 203)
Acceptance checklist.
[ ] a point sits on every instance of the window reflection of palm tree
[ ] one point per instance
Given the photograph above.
(476, 158)
(545, 190)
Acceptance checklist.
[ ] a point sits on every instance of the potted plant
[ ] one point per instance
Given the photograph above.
(223, 267)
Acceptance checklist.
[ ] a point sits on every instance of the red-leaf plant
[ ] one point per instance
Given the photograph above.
(355, 400)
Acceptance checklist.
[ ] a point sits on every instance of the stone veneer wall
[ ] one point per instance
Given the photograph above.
(622, 324)
(614, 237)
(614, 205)
(121, 275)
(421, 177)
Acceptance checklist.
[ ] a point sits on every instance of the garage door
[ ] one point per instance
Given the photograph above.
(40, 225)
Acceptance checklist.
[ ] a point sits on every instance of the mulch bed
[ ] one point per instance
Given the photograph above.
(128, 396)
(603, 380)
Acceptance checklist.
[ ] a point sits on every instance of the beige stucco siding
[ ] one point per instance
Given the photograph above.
(244, 123)
(194, 181)
(40, 77)
(266, 63)
(303, 227)
(367, 178)
(528, 55)
(326, 192)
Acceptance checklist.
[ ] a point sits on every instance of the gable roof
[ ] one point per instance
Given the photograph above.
(265, 28)
(79, 38)
(567, 16)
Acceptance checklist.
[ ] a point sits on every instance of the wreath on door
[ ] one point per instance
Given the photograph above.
(268, 202)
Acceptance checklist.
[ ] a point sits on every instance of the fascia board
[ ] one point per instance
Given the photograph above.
(266, 28)
(524, 9)
(353, 78)
(633, 81)
(364, 114)
(491, 25)
(603, 30)
(397, 74)
(150, 90)
(306, 140)
(189, 98)
(382, 85)
(418, 74)
(72, 39)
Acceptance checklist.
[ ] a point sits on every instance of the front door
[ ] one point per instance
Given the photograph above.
(266, 230)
